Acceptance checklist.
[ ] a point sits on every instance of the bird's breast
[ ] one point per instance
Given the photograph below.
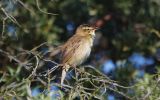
(82, 53)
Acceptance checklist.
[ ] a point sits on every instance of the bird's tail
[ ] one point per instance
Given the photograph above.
(65, 68)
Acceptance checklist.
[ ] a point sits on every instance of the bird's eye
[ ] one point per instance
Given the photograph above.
(88, 29)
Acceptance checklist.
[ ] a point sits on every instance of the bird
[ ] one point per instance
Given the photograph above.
(77, 49)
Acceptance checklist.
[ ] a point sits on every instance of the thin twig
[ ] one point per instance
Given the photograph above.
(10, 17)
(37, 3)
(25, 6)
(34, 70)
(3, 27)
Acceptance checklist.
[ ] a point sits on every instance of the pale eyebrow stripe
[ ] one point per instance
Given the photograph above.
(87, 28)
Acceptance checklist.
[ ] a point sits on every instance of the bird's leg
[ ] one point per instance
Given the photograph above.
(65, 68)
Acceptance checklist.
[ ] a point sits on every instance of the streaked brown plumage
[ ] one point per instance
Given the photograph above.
(76, 49)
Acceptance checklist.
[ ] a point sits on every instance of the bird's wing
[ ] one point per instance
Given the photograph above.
(68, 51)
(69, 48)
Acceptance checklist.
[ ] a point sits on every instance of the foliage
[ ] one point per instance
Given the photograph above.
(30, 28)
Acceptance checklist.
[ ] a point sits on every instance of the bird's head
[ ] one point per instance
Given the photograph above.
(86, 30)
